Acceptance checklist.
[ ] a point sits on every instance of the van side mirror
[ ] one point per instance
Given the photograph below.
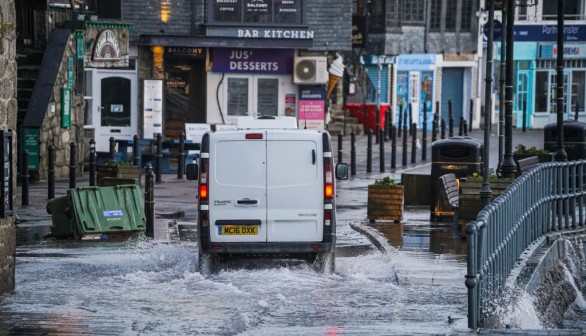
(192, 171)
(341, 171)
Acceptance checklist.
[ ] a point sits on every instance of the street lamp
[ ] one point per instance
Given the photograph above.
(485, 192)
(560, 154)
(508, 167)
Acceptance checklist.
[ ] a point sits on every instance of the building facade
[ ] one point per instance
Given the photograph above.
(535, 57)
(8, 108)
(436, 50)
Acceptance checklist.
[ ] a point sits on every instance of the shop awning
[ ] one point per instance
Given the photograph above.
(223, 42)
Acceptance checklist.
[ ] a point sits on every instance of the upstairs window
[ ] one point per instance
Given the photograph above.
(573, 10)
(412, 11)
(256, 12)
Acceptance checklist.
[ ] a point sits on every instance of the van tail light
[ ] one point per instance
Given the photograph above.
(328, 181)
(203, 182)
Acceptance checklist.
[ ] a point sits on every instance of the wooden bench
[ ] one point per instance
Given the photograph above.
(449, 192)
(525, 164)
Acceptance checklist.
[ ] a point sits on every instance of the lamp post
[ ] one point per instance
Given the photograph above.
(485, 192)
(502, 88)
(560, 153)
(508, 167)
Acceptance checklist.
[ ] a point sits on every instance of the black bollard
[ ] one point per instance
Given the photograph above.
(381, 148)
(405, 122)
(369, 152)
(135, 145)
(72, 163)
(461, 127)
(443, 133)
(149, 201)
(400, 123)
(424, 134)
(577, 111)
(92, 162)
(393, 147)
(112, 149)
(340, 144)
(465, 124)
(389, 124)
(352, 153)
(434, 129)
(413, 143)
(524, 128)
(181, 156)
(410, 115)
(405, 145)
(471, 118)
(51, 172)
(450, 120)
(24, 176)
(159, 158)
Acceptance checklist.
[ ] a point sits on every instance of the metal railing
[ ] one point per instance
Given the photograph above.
(547, 198)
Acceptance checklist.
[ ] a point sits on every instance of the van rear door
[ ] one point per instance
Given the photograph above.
(294, 187)
(237, 187)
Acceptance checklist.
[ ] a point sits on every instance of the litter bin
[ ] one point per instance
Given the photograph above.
(97, 212)
(460, 155)
(574, 138)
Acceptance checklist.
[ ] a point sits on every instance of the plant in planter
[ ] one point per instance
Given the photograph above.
(522, 152)
(385, 200)
(118, 172)
(469, 193)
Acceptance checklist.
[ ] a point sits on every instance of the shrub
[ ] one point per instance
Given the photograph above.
(387, 181)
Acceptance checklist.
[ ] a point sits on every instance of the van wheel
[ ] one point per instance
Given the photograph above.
(208, 262)
(325, 262)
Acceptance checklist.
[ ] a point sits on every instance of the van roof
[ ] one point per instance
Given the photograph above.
(266, 122)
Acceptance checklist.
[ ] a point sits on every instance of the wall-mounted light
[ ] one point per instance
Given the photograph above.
(165, 10)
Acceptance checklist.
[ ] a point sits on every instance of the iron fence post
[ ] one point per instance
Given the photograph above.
(51, 172)
(149, 201)
(92, 162)
(72, 164)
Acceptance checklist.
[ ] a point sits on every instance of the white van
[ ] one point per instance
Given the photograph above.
(267, 189)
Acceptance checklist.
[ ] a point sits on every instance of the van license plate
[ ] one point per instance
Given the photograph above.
(238, 230)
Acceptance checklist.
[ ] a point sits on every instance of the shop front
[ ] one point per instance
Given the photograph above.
(415, 86)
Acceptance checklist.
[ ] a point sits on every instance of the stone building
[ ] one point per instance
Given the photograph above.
(8, 107)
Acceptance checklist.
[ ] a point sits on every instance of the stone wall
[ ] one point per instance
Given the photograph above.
(8, 111)
(53, 133)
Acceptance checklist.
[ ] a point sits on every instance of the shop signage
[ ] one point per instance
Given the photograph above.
(70, 69)
(194, 132)
(570, 51)
(66, 107)
(253, 61)
(416, 59)
(265, 11)
(311, 107)
(153, 108)
(549, 33)
(261, 33)
(185, 52)
(31, 144)
(107, 47)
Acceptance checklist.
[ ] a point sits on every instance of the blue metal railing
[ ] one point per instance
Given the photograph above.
(547, 198)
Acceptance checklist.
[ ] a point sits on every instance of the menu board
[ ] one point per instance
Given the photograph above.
(287, 11)
(31, 144)
(153, 108)
(258, 11)
(238, 96)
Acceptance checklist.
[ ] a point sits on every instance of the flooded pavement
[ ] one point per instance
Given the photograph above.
(399, 279)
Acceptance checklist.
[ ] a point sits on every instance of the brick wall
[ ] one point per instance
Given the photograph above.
(8, 110)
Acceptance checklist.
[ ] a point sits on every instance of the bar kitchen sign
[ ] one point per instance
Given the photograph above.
(253, 61)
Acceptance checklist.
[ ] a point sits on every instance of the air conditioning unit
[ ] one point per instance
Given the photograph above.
(310, 70)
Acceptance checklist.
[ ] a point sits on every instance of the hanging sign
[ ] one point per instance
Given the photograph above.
(65, 107)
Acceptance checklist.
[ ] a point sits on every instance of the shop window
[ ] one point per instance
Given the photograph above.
(541, 85)
(237, 96)
(256, 12)
(553, 92)
(578, 79)
(267, 96)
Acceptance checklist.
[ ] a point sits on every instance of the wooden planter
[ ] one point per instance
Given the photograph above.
(385, 202)
(109, 175)
(469, 193)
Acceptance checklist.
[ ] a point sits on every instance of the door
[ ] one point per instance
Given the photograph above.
(452, 90)
(553, 96)
(295, 195)
(237, 188)
(114, 106)
(254, 95)
(521, 99)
